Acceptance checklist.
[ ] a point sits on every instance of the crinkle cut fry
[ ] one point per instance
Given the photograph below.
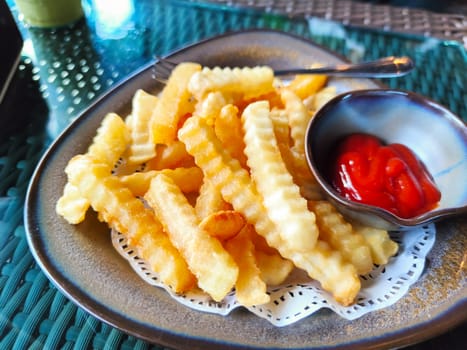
(250, 82)
(127, 214)
(237, 188)
(298, 118)
(213, 267)
(339, 233)
(141, 148)
(110, 142)
(250, 289)
(209, 201)
(380, 243)
(174, 103)
(188, 179)
(72, 206)
(281, 196)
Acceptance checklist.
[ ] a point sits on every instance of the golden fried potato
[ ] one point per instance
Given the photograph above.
(274, 268)
(111, 140)
(71, 205)
(213, 267)
(170, 156)
(174, 103)
(381, 245)
(237, 188)
(305, 85)
(119, 208)
(209, 201)
(228, 128)
(248, 82)
(250, 289)
(298, 118)
(141, 147)
(280, 195)
(210, 106)
(188, 179)
(224, 224)
(335, 230)
(209, 183)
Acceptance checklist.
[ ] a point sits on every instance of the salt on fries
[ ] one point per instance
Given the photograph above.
(212, 188)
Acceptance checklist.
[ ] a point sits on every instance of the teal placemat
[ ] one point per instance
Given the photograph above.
(64, 70)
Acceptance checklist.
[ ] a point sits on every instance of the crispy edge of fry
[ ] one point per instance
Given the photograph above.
(250, 82)
(237, 188)
(108, 145)
(323, 96)
(141, 147)
(327, 266)
(72, 206)
(188, 179)
(223, 224)
(210, 106)
(274, 268)
(174, 103)
(122, 211)
(250, 289)
(212, 265)
(209, 200)
(305, 85)
(111, 140)
(170, 156)
(298, 117)
(381, 245)
(228, 128)
(339, 233)
(281, 196)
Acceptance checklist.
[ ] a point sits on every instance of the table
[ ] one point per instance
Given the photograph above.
(64, 70)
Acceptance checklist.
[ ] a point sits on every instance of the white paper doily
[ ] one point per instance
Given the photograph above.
(300, 297)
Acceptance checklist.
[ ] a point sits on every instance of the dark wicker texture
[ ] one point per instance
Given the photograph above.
(450, 24)
(33, 313)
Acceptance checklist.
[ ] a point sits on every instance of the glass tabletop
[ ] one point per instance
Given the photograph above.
(64, 70)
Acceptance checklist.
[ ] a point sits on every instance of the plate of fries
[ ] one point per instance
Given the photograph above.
(184, 212)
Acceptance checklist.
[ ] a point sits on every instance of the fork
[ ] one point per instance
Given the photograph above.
(387, 67)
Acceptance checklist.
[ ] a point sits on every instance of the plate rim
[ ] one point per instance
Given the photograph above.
(442, 322)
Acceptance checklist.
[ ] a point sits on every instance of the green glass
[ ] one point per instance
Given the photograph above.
(50, 13)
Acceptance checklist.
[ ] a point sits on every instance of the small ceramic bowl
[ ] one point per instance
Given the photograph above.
(434, 134)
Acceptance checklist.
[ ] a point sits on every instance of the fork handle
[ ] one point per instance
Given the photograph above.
(387, 67)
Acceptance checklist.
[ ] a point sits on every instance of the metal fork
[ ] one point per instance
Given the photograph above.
(387, 67)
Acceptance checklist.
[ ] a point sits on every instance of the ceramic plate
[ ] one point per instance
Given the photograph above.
(82, 263)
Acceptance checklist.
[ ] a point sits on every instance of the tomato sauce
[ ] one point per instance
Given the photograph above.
(388, 176)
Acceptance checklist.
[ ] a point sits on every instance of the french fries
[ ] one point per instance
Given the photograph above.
(280, 195)
(188, 179)
(381, 246)
(213, 267)
(141, 148)
(223, 224)
(209, 182)
(339, 233)
(122, 211)
(246, 82)
(174, 104)
(237, 187)
(250, 287)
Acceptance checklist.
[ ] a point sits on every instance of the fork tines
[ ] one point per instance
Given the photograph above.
(163, 67)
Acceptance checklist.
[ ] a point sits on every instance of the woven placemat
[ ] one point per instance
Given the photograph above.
(444, 25)
(33, 313)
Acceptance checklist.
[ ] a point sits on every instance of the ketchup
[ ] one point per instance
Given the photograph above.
(388, 176)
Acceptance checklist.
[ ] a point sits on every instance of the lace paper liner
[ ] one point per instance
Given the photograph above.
(300, 297)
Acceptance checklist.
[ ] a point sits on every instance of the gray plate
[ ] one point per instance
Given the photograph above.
(82, 263)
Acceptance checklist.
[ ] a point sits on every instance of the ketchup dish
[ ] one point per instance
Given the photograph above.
(389, 158)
